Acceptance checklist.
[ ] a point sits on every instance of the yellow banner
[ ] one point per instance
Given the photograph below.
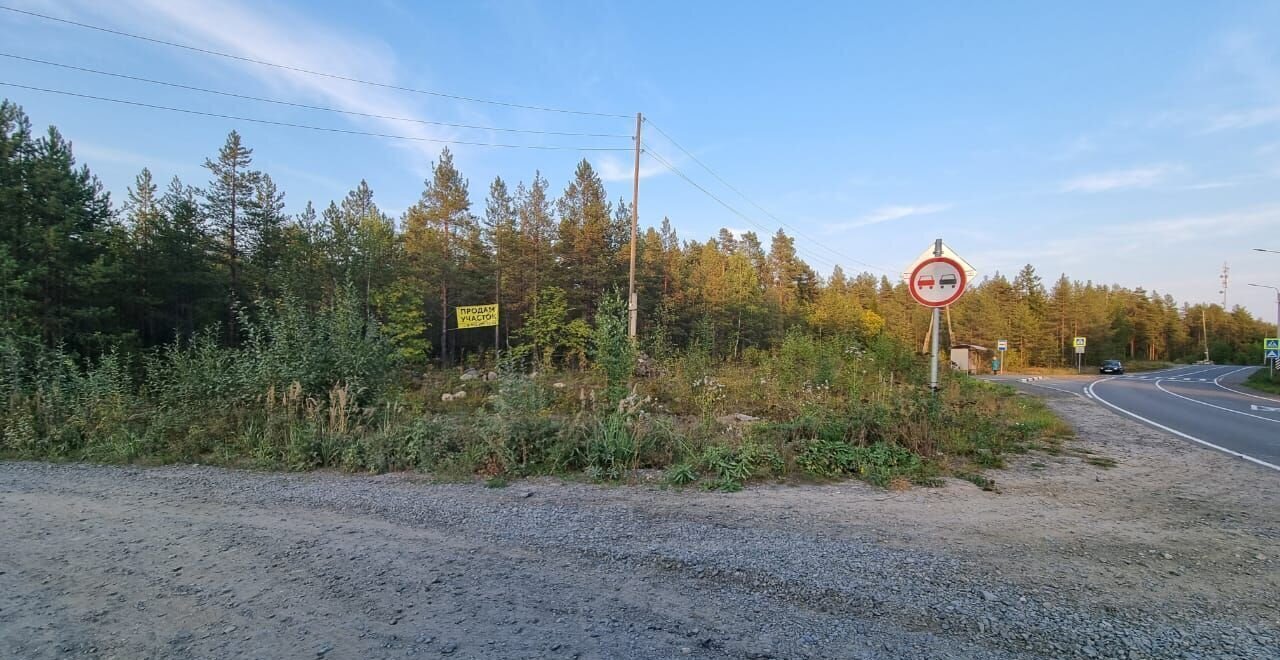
(478, 316)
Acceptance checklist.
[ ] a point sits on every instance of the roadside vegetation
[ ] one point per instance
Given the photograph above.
(1264, 380)
(328, 390)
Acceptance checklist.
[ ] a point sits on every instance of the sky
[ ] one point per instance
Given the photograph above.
(1123, 143)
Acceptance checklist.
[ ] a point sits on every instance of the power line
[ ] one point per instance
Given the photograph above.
(322, 74)
(743, 195)
(304, 105)
(675, 170)
(324, 129)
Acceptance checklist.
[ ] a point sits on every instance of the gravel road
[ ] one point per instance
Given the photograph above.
(1170, 554)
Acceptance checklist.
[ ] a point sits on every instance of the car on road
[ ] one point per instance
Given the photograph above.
(1111, 367)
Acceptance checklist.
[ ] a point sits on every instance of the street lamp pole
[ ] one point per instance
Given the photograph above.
(1277, 290)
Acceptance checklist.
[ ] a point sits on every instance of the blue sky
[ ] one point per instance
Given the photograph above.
(1131, 143)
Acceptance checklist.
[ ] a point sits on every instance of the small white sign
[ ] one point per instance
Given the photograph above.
(1002, 345)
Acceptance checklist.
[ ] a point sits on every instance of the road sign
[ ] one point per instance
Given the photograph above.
(969, 271)
(1002, 345)
(1271, 343)
(937, 281)
(1079, 350)
(1079, 342)
(1273, 355)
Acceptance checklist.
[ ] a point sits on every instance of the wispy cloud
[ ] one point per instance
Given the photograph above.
(890, 213)
(1138, 177)
(1213, 185)
(1081, 145)
(292, 39)
(93, 153)
(1138, 237)
(615, 168)
(1251, 118)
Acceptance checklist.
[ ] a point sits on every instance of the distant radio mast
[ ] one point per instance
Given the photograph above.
(1226, 275)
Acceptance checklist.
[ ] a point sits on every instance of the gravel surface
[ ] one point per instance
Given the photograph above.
(1170, 554)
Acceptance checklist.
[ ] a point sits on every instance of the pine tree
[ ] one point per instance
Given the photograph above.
(230, 189)
(586, 247)
(535, 258)
(501, 234)
(431, 228)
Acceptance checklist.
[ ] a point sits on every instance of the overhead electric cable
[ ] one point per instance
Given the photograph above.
(675, 170)
(763, 210)
(206, 90)
(324, 129)
(310, 72)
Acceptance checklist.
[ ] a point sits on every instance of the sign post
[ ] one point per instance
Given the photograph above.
(1079, 343)
(936, 282)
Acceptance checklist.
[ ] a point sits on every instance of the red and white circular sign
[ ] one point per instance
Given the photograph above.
(937, 282)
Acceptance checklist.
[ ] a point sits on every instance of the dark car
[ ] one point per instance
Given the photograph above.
(1111, 367)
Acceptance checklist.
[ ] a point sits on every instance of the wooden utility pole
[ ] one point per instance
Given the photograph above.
(1204, 333)
(633, 307)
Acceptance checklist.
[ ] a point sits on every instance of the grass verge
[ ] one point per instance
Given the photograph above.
(1264, 380)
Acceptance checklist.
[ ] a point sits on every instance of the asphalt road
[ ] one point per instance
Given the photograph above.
(1199, 403)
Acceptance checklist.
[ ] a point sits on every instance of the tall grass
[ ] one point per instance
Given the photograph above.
(323, 388)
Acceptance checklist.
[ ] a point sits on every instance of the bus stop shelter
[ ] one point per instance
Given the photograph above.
(969, 358)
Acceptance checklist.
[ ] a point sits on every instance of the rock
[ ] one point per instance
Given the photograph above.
(1167, 556)
(491, 376)
(470, 374)
(558, 385)
(460, 394)
(987, 595)
(446, 397)
(736, 418)
(1260, 557)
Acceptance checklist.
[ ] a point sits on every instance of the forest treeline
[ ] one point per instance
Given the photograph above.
(176, 258)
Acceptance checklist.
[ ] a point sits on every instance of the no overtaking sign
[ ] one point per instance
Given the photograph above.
(937, 281)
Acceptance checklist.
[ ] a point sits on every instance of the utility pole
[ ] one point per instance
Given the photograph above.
(1225, 277)
(633, 304)
(1204, 332)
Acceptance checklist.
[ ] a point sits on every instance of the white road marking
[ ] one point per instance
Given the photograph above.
(1180, 433)
(1192, 373)
(1264, 408)
(1050, 387)
(1237, 412)
(1216, 381)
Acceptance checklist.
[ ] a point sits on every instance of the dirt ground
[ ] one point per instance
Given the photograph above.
(1171, 553)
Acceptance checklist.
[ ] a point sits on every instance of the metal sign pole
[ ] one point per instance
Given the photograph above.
(933, 366)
